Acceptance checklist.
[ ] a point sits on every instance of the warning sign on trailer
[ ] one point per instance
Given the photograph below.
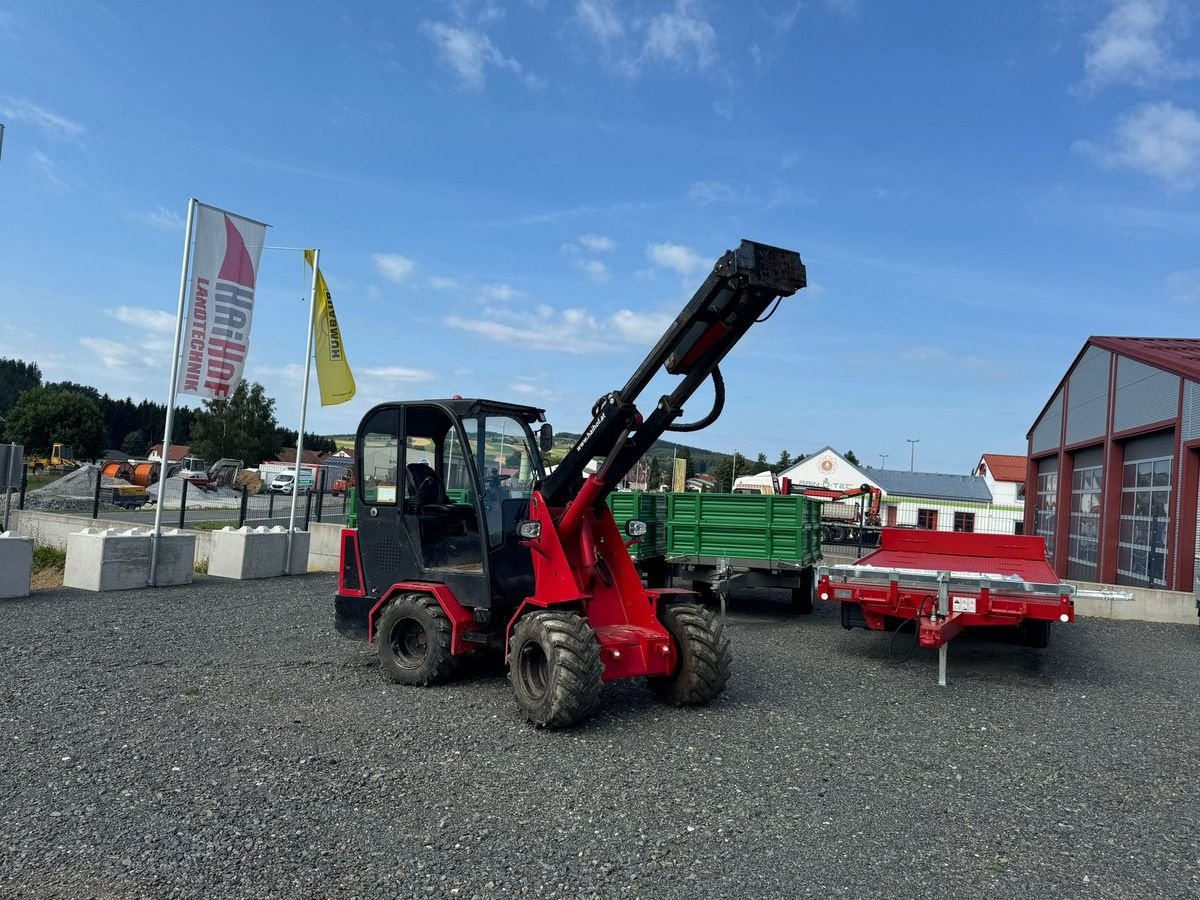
(963, 604)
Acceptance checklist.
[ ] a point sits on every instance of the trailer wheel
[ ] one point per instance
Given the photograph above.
(802, 597)
(704, 656)
(1035, 633)
(413, 641)
(555, 669)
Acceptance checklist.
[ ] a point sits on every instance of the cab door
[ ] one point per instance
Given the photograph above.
(388, 553)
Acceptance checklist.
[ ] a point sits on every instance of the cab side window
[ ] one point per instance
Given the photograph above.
(378, 453)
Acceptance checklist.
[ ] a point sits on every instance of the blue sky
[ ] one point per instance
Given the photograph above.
(512, 199)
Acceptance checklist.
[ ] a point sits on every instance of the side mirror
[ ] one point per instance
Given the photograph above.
(546, 438)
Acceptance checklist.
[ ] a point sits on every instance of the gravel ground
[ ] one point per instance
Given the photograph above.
(222, 741)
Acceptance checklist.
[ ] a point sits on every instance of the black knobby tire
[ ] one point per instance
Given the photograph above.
(802, 597)
(413, 641)
(704, 656)
(555, 669)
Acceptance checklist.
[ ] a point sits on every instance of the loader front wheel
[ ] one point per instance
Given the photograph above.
(704, 656)
(413, 641)
(555, 668)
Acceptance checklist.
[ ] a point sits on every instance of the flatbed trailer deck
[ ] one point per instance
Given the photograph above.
(947, 581)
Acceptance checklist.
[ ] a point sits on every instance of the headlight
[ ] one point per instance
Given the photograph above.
(529, 531)
(635, 528)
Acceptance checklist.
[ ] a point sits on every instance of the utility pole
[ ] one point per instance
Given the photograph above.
(883, 460)
(912, 456)
(733, 475)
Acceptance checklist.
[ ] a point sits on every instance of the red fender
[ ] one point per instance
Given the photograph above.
(460, 618)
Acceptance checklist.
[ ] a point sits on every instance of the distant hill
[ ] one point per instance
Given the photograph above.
(702, 460)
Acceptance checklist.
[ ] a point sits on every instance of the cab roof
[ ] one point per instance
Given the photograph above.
(469, 407)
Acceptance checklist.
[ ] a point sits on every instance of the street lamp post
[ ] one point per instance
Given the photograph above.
(883, 460)
(912, 456)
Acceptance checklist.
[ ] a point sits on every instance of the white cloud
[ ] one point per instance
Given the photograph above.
(49, 172)
(13, 109)
(498, 293)
(569, 330)
(469, 54)
(923, 353)
(397, 373)
(706, 192)
(442, 283)
(595, 270)
(641, 328)
(598, 243)
(681, 37)
(1133, 44)
(1184, 286)
(684, 260)
(393, 266)
(845, 7)
(162, 218)
(600, 19)
(144, 319)
(118, 354)
(1157, 139)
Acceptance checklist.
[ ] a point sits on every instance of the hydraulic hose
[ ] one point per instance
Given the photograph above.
(714, 414)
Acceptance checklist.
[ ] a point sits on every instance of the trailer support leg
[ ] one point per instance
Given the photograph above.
(943, 611)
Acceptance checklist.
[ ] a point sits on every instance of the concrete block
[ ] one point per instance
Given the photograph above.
(300, 544)
(106, 559)
(247, 552)
(111, 559)
(176, 558)
(16, 565)
(256, 552)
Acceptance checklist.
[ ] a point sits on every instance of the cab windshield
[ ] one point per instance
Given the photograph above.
(504, 454)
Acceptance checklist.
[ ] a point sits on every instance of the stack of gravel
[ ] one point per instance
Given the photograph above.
(171, 490)
(73, 492)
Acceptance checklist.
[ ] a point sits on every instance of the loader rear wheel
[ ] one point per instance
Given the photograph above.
(413, 641)
(555, 668)
(704, 656)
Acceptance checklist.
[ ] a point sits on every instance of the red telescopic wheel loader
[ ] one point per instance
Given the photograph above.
(465, 543)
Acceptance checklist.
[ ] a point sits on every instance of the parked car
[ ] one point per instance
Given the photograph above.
(282, 483)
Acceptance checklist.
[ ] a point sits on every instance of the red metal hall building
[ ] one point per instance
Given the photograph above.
(1114, 464)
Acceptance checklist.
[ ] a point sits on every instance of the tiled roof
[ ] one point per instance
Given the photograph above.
(932, 485)
(311, 457)
(1178, 355)
(1005, 467)
(178, 451)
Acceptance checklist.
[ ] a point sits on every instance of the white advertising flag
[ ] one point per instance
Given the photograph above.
(220, 304)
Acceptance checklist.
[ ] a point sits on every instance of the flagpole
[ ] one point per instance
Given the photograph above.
(308, 350)
(166, 442)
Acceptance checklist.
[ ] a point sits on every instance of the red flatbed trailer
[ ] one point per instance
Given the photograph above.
(948, 581)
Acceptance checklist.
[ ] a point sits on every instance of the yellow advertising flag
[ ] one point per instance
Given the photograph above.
(333, 369)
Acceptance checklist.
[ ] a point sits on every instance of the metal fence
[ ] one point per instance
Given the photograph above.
(845, 537)
(84, 492)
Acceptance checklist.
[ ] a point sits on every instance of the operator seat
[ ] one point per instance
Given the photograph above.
(446, 527)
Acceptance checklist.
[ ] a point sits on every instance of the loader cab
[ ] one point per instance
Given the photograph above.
(442, 485)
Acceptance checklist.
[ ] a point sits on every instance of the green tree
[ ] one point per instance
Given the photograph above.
(16, 377)
(74, 387)
(785, 461)
(135, 443)
(654, 476)
(728, 469)
(851, 458)
(241, 426)
(43, 417)
(317, 442)
(761, 464)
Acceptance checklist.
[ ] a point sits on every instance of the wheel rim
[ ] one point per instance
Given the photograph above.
(409, 642)
(534, 670)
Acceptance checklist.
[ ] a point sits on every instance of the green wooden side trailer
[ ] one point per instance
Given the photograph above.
(715, 543)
